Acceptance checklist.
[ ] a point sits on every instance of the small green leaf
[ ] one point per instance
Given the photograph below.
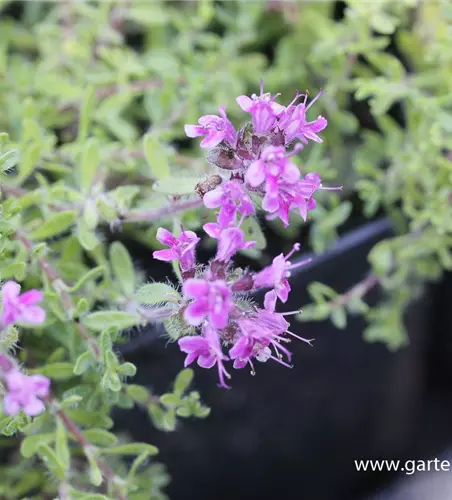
(253, 232)
(95, 475)
(157, 415)
(155, 293)
(170, 400)
(321, 292)
(89, 163)
(56, 224)
(100, 320)
(30, 444)
(156, 156)
(89, 418)
(61, 445)
(339, 317)
(139, 460)
(130, 449)
(90, 275)
(9, 160)
(183, 380)
(138, 393)
(110, 380)
(123, 269)
(83, 363)
(81, 308)
(56, 371)
(127, 370)
(100, 437)
(28, 162)
(39, 250)
(86, 113)
(106, 344)
(316, 312)
(71, 400)
(184, 412)
(87, 237)
(176, 185)
(90, 214)
(381, 258)
(51, 461)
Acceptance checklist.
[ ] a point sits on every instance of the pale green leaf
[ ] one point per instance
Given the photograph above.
(122, 266)
(100, 320)
(155, 293)
(156, 156)
(176, 185)
(56, 224)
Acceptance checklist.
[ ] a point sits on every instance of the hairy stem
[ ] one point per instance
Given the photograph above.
(71, 427)
(360, 290)
(66, 299)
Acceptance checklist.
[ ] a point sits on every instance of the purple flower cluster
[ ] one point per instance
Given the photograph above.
(25, 392)
(256, 156)
(22, 391)
(20, 308)
(228, 325)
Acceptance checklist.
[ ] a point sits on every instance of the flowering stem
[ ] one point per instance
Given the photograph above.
(151, 215)
(358, 290)
(60, 286)
(71, 427)
(156, 314)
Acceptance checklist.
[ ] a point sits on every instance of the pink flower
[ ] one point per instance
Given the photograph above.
(24, 392)
(212, 299)
(281, 197)
(207, 349)
(263, 108)
(21, 308)
(255, 337)
(216, 129)
(284, 190)
(232, 198)
(275, 276)
(182, 248)
(230, 242)
(295, 126)
(272, 166)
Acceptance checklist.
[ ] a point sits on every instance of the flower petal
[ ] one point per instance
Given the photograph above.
(227, 214)
(34, 407)
(31, 297)
(195, 288)
(10, 291)
(192, 343)
(196, 312)
(41, 385)
(212, 199)
(212, 229)
(270, 301)
(165, 237)
(34, 315)
(207, 361)
(194, 130)
(212, 139)
(255, 174)
(219, 319)
(10, 405)
(245, 102)
(165, 255)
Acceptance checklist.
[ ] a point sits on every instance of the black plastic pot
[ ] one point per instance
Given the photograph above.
(294, 434)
